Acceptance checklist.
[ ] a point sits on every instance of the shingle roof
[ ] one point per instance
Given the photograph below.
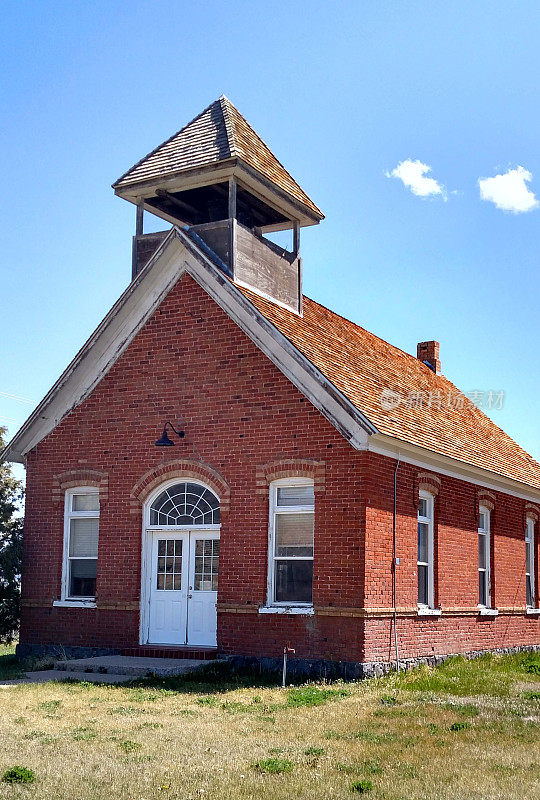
(362, 367)
(218, 133)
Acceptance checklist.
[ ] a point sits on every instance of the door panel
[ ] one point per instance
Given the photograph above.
(203, 580)
(184, 571)
(168, 592)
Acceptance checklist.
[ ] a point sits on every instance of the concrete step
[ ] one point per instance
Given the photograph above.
(133, 666)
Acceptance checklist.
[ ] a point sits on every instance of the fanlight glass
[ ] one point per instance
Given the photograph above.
(185, 504)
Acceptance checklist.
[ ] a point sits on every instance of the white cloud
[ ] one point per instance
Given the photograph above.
(509, 191)
(413, 175)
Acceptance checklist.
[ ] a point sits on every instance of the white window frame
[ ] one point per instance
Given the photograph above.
(69, 514)
(429, 521)
(529, 538)
(274, 511)
(486, 533)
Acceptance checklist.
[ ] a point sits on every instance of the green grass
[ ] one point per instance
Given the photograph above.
(488, 675)
(274, 766)
(307, 696)
(466, 729)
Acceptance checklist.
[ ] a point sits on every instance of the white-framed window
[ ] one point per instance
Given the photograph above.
(81, 532)
(484, 557)
(529, 563)
(425, 551)
(291, 532)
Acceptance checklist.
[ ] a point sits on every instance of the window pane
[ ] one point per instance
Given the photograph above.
(423, 507)
(423, 585)
(185, 504)
(82, 577)
(482, 588)
(528, 557)
(294, 534)
(206, 565)
(294, 581)
(530, 598)
(482, 551)
(423, 534)
(295, 496)
(83, 538)
(482, 521)
(85, 502)
(169, 566)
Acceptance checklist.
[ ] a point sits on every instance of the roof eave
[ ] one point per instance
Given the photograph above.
(410, 453)
(207, 174)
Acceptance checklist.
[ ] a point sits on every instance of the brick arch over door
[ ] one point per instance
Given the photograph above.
(183, 469)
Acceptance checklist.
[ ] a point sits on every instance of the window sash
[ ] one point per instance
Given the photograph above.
(425, 551)
(71, 559)
(529, 564)
(276, 576)
(484, 558)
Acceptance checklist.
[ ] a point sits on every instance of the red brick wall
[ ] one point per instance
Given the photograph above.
(459, 628)
(241, 415)
(191, 362)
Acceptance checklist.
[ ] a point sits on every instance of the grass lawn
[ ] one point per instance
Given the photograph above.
(469, 729)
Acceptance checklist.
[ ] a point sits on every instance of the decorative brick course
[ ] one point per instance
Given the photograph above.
(82, 476)
(290, 468)
(183, 469)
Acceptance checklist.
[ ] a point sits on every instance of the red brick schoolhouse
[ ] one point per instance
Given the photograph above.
(229, 467)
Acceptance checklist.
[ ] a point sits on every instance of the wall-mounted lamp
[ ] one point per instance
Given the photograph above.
(164, 440)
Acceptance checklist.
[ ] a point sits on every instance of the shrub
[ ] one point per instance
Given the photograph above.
(209, 700)
(18, 775)
(314, 751)
(531, 664)
(274, 766)
(361, 787)
(388, 700)
(459, 726)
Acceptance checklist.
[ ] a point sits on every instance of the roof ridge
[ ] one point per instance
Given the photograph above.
(167, 141)
(224, 104)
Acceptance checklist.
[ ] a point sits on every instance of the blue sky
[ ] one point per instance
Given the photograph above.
(343, 92)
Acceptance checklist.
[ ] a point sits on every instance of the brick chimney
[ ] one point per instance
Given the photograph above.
(428, 352)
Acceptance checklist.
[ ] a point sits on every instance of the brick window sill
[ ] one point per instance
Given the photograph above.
(533, 612)
(429, 612)
(307, 611)
(74, 603)
(488, 612)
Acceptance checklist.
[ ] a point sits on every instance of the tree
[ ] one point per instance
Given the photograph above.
(11, 531)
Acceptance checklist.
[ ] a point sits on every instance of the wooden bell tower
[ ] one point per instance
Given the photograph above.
(220, 182)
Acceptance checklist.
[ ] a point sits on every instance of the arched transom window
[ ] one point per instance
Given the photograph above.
(185, 504)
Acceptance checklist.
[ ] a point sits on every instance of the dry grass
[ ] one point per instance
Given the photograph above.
(181, 740)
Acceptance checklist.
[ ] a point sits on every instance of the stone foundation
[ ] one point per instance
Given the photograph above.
(352, 670)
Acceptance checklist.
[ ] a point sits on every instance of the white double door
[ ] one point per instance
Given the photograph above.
(183, 576)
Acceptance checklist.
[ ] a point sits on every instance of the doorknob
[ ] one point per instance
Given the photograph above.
(189, 596)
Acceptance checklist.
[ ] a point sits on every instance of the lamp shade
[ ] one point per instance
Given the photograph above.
(164, 440)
